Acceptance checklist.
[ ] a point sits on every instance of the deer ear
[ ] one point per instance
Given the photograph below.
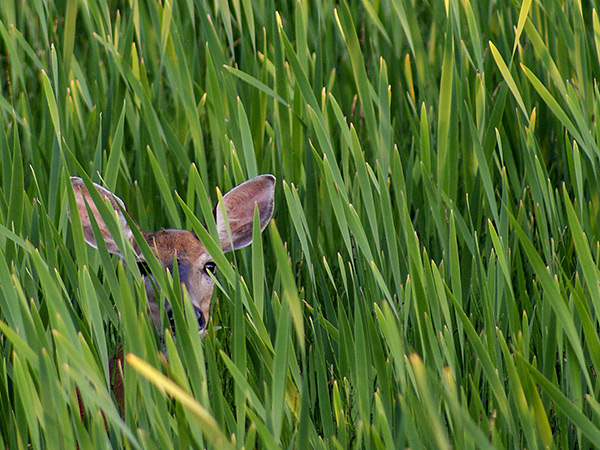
(239, 206)
(83, 198)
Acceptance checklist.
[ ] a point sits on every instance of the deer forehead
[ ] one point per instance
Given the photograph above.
(186, 244)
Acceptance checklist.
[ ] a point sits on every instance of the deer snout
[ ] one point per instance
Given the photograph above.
(199, 318)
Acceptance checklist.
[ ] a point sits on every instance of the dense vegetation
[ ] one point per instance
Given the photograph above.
(430, 278)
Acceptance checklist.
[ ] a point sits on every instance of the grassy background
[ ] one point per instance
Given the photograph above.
(431, 276)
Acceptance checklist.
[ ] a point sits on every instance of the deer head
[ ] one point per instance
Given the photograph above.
(193, 261)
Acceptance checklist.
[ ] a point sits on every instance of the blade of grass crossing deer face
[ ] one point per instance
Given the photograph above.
(193, 261)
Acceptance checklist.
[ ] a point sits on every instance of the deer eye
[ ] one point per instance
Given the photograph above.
(143, 267)
(210, 267)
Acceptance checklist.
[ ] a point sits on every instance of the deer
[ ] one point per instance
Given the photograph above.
(195, 265)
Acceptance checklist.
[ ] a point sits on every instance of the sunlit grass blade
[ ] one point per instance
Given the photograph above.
(112, 167)
(504, 70)
(290, 292)
(444, 164)
(585, 425)
(204, 419)
(257, 84)
(363, 85)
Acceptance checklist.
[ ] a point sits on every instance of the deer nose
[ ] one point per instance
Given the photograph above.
(201, 320)
(171, 319)
(199, 317)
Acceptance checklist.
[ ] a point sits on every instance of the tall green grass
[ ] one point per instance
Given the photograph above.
(430, 278)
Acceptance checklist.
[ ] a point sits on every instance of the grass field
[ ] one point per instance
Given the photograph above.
(430, 278)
